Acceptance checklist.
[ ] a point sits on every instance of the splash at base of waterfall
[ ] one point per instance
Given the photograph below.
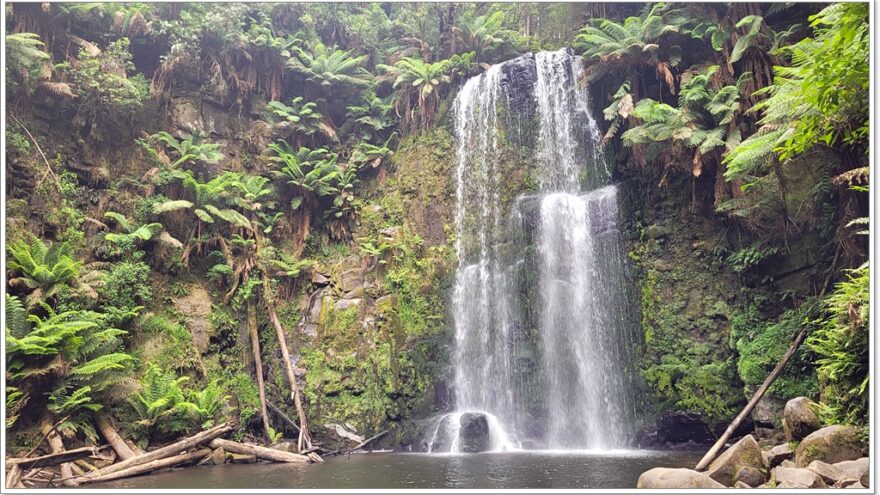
(469, 432)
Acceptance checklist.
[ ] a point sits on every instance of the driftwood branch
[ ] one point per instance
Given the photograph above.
(45, 160)
(283, 416)
(105, 426)
(370, 440)
(186, 458)
(260, 452)
(713, 452)
(51, 459)
(170, 450)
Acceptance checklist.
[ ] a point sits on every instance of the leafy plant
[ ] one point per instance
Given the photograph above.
(26, 62)
(42, 269)
(841, 344)
(417, 83)
(190, 149)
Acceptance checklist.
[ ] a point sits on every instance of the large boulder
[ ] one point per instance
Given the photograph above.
(674, 478)
(744, 453)
(799, 419)
(797, 478)
(831, 444)
(474, 433)
(777, 454)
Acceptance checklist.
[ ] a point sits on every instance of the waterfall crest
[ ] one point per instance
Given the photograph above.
(539, 344)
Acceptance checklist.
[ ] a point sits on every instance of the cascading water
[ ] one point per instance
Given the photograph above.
(569, 392)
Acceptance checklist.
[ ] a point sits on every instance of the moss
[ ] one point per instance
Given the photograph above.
(760, 345)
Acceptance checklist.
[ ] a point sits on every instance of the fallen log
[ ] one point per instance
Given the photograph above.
(369, 440)
(169, 450)
(261, 452)
(85, 465)
(13, 478)
(154, 465)
(713, 452)
(57, 447)
(105, 426)
(51, 459)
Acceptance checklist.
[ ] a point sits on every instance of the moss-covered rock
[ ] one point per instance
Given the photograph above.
(744, 453)
(831, 444)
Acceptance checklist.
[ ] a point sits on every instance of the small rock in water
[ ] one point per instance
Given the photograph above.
(474, 433)
(675, 478)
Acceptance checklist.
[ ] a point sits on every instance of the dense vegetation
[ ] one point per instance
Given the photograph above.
(268, 152)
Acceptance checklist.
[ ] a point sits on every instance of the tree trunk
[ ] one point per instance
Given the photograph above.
(710, 455)
(260, 452)
(305, 439)
(102, 421)
(154, 465)
(57, 447)
(258, 363)
(51, 459)
(170, 450)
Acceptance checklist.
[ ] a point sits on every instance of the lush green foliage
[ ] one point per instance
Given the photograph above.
(841, 343)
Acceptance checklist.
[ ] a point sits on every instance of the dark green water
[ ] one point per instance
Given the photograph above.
(397, 470)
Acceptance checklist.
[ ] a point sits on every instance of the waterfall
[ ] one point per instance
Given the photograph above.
(537, 302)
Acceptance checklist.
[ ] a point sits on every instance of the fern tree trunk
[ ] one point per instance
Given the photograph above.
(258, 363)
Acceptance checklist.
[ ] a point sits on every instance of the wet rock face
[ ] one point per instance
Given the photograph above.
(676, 428)
(474, 433)
(196, 310)
(518, 77)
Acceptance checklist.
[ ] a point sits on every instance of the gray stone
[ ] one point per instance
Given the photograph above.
(356, 293)
(828, 472)
(801, 477)
(196, 310)
(474, 433)
(788, 463)
(740, 484)
(344, 304)
(319, 278)
(744, 453)
(350, 280)
(799, 419)
(750, 476)
(673, 478)
(777, 454)
(767, 410)
(854, 469)
(831, 444)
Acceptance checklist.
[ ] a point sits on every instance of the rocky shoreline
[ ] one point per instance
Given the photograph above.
(811, 457)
